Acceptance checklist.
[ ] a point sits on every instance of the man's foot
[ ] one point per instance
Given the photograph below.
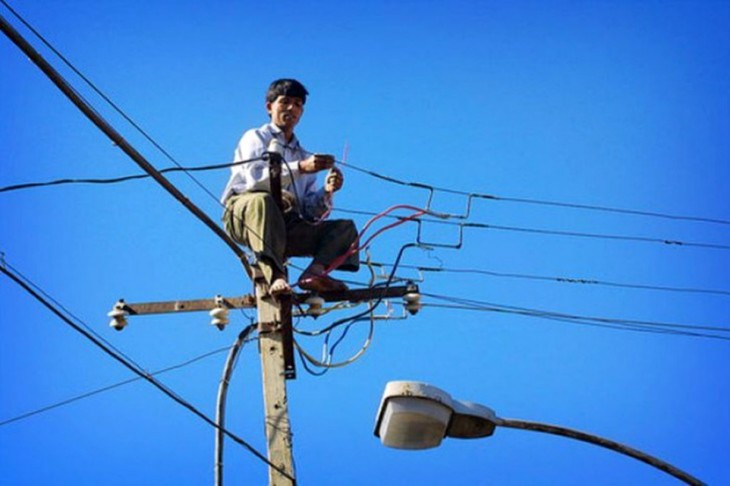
(320, 283)
(279, 287)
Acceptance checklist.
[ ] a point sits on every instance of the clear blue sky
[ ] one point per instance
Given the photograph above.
(619, 104)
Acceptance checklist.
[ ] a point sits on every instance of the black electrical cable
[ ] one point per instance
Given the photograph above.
(107, 388)
(576, 320)
(568, 280)
(591, 318)
(640, 239)
(112, 134)
(103, 96)
(90, 330)
(115, 180)
(385, 285)
(590, 207)
(623, 324)
(141, 373)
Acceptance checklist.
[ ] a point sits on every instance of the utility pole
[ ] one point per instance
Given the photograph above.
(274, 316)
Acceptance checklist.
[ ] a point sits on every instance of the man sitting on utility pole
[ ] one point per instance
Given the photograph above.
(253, 218)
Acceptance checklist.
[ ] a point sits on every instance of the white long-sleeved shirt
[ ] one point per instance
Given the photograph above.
(254, 176)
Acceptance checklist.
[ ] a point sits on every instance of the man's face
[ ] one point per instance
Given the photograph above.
(285, 112)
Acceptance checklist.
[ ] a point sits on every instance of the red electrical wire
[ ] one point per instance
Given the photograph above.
(356, 246)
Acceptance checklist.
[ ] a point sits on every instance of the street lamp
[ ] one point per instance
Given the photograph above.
(414, 415)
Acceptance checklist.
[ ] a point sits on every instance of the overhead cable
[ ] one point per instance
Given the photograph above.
(107, 388)
(492, 197)
(115, 180)
(622, 324)
(568, 280)
(640, 239)
(69, 313)
(103, 96)
(110, 132)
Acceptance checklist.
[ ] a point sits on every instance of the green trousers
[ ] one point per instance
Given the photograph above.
(254, 220)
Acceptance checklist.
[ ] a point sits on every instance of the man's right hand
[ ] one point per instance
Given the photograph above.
(316, 163)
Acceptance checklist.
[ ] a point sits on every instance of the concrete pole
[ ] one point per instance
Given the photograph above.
(273, 314)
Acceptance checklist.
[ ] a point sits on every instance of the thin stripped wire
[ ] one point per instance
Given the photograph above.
(19, 279)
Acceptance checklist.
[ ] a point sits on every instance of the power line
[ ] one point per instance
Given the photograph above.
(107, 388)
(573, 316)
(20, 280)
(638, 239)
(116, 180)
(90, 330)
(564, 280)
(622, 324)
(102, 95)
(474, 195)
(110, 132)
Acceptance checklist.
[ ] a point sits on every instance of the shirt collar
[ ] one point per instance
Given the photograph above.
(279, 134)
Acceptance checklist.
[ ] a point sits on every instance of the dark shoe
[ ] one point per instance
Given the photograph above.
(320, 283)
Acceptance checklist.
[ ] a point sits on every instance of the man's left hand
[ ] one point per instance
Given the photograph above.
(334, 180)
